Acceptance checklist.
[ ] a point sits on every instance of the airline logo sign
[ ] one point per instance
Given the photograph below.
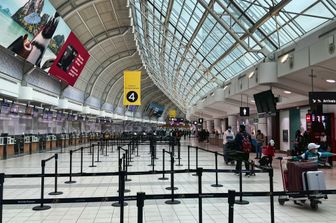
(172, 113)
(132, 87)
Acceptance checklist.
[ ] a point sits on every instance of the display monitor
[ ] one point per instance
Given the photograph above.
(265, 102)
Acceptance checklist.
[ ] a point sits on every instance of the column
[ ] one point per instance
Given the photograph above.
(232, 121)
(262, 125)
(223, 125)
(208, 125)
(217, 123)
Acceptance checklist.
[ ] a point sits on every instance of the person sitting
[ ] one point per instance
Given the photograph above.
(312, 154)
(268, 152)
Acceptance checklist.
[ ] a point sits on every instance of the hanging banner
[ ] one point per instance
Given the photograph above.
(132, 87)
(70, 60)
(172, 113)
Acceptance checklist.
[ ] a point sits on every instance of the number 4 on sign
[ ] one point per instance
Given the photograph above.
(132, 96)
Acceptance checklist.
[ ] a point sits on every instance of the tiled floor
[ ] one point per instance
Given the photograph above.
(214, 210)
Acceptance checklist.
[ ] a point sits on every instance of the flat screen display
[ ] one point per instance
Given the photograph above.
(265, 102)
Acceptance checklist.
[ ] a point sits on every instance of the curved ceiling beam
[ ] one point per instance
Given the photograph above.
(103, 67)
(66, 15)
(105, 36)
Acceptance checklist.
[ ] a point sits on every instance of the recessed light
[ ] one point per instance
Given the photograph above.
(251, 74)
(287, 92)
(225, 87)
(284, 58)
(252, 101)
(331, 81)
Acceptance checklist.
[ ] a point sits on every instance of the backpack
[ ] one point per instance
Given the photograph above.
(246, 144)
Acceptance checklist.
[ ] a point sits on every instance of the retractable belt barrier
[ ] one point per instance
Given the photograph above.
(141, 197)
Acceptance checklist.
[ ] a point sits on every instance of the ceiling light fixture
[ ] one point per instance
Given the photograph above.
(287, 92)
(225, 87)
(331, 81)
(252, 101)
(284, 58)
(212, 94)
(251, 74)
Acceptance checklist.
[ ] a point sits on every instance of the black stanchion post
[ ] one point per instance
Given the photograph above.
(216, 166)
(98, 147)
(81, 161)
(271, 173)
(188, 158)
(56, 167)
(106, 147)
(196, 161)
(172, 187)
(179, 153)
(92, 155)
(163, 166)
(125, 169)
(140, 205)
(199, 174)
(121, 190)
(241, 201)
(2, 180)
(70, 181)
(42, 207)
(231, 201)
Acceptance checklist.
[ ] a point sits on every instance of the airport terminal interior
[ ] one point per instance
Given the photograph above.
(180, 111)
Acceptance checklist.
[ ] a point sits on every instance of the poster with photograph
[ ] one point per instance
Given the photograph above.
(33, 30)
(70, 60)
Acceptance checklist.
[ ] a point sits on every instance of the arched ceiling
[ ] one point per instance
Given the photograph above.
(103, 27)
(192, 47)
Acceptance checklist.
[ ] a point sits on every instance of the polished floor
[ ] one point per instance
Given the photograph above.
(214, 210)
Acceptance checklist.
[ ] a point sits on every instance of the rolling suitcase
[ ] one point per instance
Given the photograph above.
(295, 170)
(313, 180)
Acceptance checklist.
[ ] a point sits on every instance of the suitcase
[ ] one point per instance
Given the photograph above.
(295, 170)
(313, 180)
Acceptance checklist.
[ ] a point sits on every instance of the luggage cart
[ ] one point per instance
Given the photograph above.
(314, 199)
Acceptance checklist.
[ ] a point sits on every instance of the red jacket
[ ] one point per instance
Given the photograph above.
(268, 150)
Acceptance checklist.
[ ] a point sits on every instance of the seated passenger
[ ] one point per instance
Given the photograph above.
(312, 154)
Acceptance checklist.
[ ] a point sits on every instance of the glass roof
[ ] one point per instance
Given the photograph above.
(192, 47)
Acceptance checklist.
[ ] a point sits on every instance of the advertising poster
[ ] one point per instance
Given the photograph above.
(33, 30)
(70, 60)
(155, 109)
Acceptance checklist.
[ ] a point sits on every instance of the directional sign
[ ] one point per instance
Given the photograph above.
(132, 87)
(322, 97)
(244, 111)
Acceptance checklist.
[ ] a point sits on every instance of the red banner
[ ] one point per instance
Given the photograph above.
(70, 60)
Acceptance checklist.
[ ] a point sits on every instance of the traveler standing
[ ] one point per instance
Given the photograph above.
(228, 136)
(244, 143)
(260, 142)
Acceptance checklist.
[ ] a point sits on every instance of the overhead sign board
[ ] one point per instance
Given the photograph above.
(200, 120)
(132, 87)
(244, 111)
(172, 113)
(322, 98)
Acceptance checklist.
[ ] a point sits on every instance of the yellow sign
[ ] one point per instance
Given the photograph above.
(132, 87)
(172, 113)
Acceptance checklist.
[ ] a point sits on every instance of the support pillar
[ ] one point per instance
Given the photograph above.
(232, 121)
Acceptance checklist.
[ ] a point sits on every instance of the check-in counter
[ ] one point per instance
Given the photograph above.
(26, 145)
(48, 142)
(34, 144)
(10, 147)
(66, 143)
(77, 139)
(53, 141)
(2, 148)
